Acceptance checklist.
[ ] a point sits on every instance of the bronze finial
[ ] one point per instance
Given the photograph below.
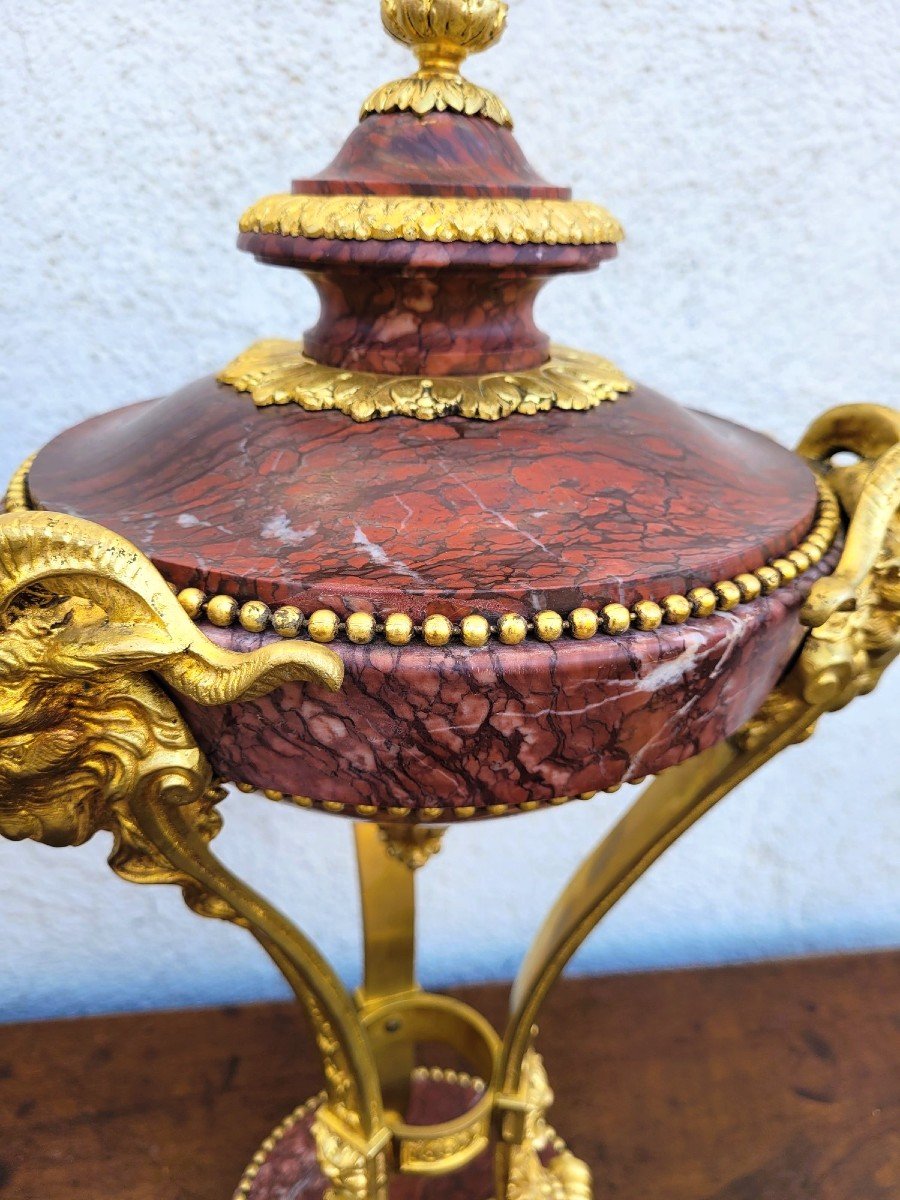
(442, 33)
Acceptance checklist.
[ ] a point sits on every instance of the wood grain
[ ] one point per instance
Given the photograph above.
(774, 1082)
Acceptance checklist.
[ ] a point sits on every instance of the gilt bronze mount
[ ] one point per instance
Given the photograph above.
(437, 616)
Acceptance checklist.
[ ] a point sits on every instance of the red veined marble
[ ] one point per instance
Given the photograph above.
(505, 725)
(634, 500)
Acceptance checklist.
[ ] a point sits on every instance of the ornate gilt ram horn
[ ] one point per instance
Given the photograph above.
(872, 433)
(864, 429)
(67, 556)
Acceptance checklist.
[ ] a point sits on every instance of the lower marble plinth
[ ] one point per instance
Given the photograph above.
(286, 1168)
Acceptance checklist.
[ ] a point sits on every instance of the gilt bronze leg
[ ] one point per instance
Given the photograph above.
(665, 810)
(387, 890)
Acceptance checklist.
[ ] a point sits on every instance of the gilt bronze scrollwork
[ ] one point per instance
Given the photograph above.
(442, 33)
(90, 741)
(854, 614)
(84, 618)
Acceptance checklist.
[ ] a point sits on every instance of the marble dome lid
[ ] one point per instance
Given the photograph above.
(636, 500)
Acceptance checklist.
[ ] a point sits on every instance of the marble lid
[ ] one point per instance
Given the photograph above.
(635, 500)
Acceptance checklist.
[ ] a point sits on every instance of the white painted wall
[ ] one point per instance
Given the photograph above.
(750, 149)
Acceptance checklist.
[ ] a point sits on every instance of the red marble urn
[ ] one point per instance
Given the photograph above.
(543, 579)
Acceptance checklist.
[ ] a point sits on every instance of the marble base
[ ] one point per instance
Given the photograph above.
(285, 1167)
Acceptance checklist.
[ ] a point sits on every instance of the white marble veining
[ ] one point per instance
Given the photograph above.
(749, 149)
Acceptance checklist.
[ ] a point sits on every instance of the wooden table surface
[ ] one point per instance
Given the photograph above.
(774, 1082)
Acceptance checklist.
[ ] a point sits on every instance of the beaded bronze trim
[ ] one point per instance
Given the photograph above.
(476, 630)
(435, 1074)
(277, 1135)
(434, 219)
(276, 372)
(429, 815)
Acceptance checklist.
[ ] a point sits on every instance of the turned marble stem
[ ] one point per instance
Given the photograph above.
(440, 322)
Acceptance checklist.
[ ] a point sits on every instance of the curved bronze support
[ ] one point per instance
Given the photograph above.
(855, 614)
(868, 489)
(665, 810)
(354, 1110)
(89, 741)
(178, 843)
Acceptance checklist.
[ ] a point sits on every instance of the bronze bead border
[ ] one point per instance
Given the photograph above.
(278, 1134)
(436, 815)
(475, 630)
(461, 1079)
(436, 1074)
